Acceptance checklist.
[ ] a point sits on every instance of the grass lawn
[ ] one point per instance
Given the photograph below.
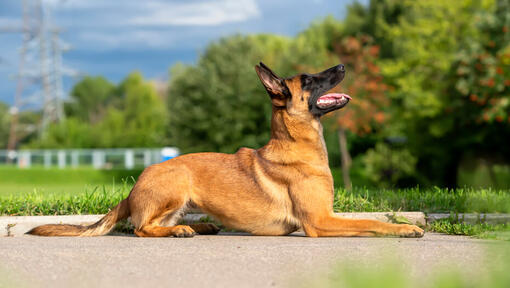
(40, 191)
(68, 182)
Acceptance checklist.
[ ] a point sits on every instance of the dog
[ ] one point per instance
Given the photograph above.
(284, 186)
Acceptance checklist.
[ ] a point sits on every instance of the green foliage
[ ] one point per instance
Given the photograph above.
(441, 60)
(436, 72)
(484, 174)
(73, 133)
(138, 121)
(81, 175)
(4, 125)
(481, 230)
(97, 201)
(82, 183)
(102, 115)
(466, 200)
(311, 50)
(89, 99)
(219, 104)
(375, 20)
(479, 87)
(385, 166)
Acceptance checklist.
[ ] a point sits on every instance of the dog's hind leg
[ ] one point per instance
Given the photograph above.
(158, 199)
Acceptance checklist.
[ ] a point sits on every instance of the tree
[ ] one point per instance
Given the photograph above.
(479, 89)
(4, 124)
(327, 43)
(219, 103)
(419, 41)
(368, 108)
(72, 133)
(374, 20)
(89, 99)
(140, 118)
(129, 115)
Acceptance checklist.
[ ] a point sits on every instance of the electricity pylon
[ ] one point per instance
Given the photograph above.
(40, 69)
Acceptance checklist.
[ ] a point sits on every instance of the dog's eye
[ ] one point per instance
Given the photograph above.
(308, 81)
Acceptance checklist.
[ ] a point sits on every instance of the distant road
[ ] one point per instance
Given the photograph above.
(225, 260)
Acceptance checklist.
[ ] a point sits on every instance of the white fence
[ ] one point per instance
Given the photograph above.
(125, 158)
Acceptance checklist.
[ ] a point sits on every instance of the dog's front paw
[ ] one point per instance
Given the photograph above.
(410, 231)
(183, 231)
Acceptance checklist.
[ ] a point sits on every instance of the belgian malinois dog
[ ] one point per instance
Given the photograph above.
(275, 190)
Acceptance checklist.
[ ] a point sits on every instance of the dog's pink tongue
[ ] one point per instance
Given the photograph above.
(337, 95)
(333, 99)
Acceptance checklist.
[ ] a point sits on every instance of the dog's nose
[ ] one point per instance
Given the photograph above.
(340, 68)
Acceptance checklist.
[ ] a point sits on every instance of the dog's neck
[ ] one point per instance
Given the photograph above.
(288, 132)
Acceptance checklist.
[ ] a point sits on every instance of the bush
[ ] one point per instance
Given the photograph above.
(386, 166)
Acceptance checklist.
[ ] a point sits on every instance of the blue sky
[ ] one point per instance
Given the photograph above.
(113, 37)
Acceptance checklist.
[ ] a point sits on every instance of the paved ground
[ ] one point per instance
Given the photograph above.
(225, 260)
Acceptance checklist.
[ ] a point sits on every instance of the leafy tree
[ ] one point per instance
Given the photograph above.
(479, 90)
(139, 120)
(130, 115)
(219, 104)
(420, 41)
(385, 166)
(89, 99)
(72, 133)
(375, 19)
(4, 125)
(481, 73)
(367, 111)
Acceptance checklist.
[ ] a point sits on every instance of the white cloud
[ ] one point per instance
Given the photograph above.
(197, 13)
(126, 39)
(149, 24)
(78, 4)
(163, 13)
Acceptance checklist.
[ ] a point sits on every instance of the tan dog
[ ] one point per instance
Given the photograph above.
(274, 190)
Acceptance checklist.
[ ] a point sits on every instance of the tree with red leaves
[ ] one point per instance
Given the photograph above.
(367, 110)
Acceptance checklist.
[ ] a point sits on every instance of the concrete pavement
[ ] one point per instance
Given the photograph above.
(224, 260)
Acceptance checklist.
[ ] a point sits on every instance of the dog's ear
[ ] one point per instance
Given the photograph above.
(274, 85)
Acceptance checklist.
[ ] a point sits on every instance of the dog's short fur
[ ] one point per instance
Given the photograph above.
(275, 190)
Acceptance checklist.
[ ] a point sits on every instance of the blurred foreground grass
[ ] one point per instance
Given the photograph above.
(492, 272)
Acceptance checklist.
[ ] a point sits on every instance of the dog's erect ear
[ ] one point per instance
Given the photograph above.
(274, 85)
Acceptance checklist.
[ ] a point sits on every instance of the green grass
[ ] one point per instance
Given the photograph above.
(482, 174)
(14, 181)
(465, 200)
(94, 201)
(42, 191)
(480, 230)
(98, 199)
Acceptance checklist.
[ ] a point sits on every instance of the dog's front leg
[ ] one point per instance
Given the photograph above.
(315, 210)
(332, 225)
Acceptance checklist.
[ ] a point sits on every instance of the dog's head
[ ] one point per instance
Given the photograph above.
(305, 94)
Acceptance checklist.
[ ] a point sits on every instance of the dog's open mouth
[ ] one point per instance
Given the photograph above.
(333, 100)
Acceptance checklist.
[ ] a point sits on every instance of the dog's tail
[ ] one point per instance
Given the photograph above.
(101, 227)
